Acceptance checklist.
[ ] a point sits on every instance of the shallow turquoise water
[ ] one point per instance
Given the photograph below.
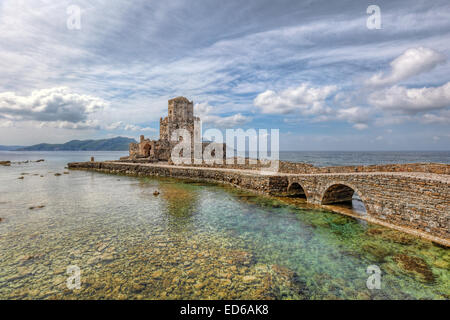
(194, 240)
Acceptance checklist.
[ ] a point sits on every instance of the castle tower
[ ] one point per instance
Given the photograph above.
(180, 116)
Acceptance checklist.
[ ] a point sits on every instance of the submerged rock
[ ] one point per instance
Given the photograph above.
(157, 274)
(22, 162)
(249, 278)
(241, 257)
(416, 266)
(21, 178)
(156, 193)
(57, 174)
(36, 207)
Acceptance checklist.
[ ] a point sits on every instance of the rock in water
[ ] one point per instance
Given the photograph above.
(415, 265)
(156, 193)
(37, 207)
(5, 163)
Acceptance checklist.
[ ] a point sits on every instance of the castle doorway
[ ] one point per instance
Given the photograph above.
(147, 149)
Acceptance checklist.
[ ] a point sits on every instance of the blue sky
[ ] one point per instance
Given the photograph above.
(309, 68)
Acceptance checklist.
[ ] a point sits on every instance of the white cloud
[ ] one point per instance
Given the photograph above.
(114, 125)
(120, 125)
(208, 116)
(304, 99)
(81, 125)
(360, 126)
(50, 105)
(132, 127)
(412, 62)
(226, 122)
(411, 101)
(389, 119)
(442, 117)
(6, 124)
(356, 115)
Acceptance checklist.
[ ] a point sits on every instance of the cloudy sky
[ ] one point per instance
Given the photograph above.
(312, 69)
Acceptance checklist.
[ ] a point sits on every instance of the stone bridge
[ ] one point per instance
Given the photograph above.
(419, 201)
(413, 202)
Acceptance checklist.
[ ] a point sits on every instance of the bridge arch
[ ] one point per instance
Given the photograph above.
(296, 190)
(344, 193)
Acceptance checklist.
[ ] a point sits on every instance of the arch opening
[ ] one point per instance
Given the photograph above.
(345, 197)
(295, 190)
(147, 149)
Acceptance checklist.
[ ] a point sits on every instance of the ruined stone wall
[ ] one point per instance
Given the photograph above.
(163, 129)
(134, 149)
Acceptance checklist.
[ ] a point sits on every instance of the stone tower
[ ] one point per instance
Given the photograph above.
(180, 116)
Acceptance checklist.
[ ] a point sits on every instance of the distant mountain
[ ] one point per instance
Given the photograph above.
(113, 144)
(10, 148)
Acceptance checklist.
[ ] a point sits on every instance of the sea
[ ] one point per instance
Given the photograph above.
(67, 234)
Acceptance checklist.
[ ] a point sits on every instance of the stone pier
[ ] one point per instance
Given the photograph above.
(412, 202)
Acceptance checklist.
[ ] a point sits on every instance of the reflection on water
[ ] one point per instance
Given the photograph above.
(194, 240)
(358, 205)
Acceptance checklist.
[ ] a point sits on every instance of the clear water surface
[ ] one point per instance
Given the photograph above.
(194, 241)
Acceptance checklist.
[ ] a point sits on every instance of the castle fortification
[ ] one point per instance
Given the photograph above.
(180, 116)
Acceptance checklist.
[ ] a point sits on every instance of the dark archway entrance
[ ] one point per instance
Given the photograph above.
(345, 197)
(147, 149)
(295, 190)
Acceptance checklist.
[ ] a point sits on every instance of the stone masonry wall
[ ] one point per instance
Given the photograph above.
(299, 167)
(404, 200)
